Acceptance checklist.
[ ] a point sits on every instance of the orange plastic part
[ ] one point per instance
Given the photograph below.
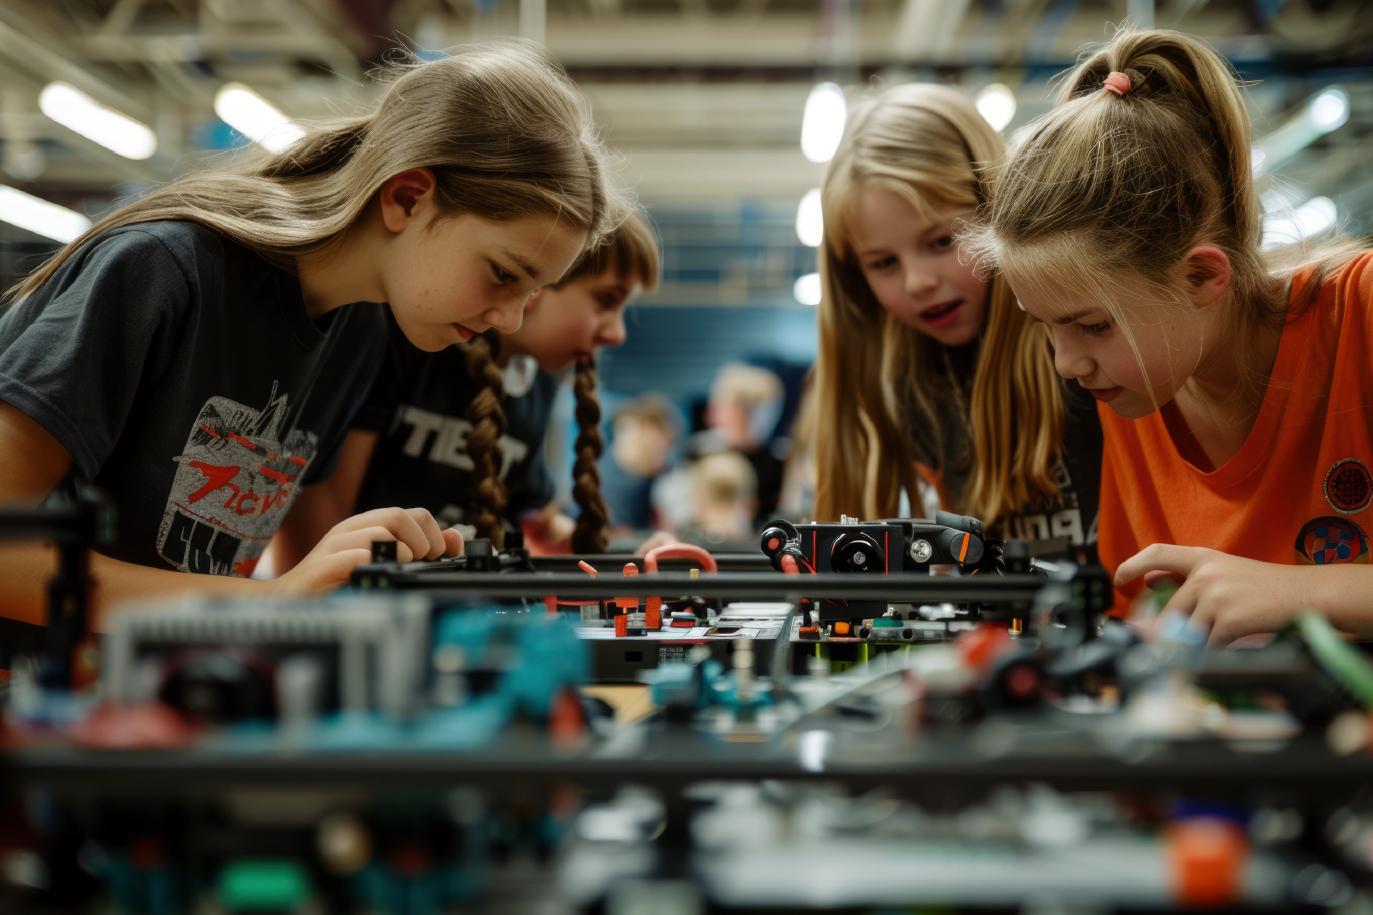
(628, 603)
(983, 644)
(1206, 862)
(565, 721)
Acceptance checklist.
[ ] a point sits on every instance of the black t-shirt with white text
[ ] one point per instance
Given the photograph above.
(1070, 515)
(418, 408)
(184, 376)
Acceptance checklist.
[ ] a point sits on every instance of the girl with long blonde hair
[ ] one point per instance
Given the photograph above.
(199, 352)
(1235, 388)
(928, 373)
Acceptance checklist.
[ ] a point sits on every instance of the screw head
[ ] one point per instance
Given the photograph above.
(921, 550)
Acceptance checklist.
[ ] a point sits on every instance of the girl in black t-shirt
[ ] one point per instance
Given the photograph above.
(193, 352)
(442, 430)
(929, 377)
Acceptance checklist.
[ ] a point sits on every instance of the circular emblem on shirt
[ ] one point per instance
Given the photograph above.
(1328, 540)
(1348, 486)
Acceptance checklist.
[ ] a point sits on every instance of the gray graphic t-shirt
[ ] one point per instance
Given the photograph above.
(185, 378)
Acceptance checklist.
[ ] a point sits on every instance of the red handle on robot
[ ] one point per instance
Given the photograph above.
(653, 607)
(679, 551)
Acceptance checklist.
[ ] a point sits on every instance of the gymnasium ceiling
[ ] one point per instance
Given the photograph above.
(704, 98)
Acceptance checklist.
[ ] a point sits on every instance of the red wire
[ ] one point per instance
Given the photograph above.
(589, 569)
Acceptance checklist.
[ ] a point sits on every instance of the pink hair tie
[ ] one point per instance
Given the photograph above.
(1117, 82)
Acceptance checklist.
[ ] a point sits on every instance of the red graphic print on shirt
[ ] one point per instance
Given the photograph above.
(235, 481)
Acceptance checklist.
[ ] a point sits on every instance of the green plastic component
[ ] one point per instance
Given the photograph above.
(1159, 596)
(257, 885)
(1341, 660)
(886, 622)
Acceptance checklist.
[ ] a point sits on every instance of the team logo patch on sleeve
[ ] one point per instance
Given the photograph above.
(1327, 540)
(1348, 486)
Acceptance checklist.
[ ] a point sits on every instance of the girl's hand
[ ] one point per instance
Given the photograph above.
(1232, 596)
(349, 544)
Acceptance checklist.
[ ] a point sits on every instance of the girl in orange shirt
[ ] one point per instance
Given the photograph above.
(1236, 397)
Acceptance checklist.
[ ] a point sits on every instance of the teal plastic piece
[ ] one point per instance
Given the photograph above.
(709, 686)
(263, 885)
(428, 893)
(549, 658)
(676, 684)
(137, 891)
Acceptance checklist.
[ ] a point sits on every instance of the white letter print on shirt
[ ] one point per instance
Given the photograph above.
(443, 440)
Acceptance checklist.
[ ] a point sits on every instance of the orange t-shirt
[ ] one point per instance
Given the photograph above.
(1299, 489)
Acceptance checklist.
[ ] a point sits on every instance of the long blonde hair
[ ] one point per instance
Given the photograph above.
(1128, 184)
(504, 130)
(875, 377)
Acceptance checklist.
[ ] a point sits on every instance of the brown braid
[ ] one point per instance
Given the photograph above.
(483, 442)
(589, 536)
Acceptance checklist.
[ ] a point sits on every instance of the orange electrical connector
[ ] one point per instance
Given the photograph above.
(628, 603)
(1206, 859)
(983, 644)
(653, 606)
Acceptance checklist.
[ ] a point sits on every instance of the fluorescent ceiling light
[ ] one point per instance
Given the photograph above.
(77, 111)
(1326, 111)
(1329, 109)
(255, 117)
(822, 125)
(807, 289)
(40, 216)
(996, 104)
(1312, 218)
(810, 221)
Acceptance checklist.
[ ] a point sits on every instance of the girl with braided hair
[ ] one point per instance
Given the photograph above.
(462, 432)
(199, 352)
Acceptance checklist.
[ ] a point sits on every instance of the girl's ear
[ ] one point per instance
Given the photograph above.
(402, 195)
(1208, 273)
